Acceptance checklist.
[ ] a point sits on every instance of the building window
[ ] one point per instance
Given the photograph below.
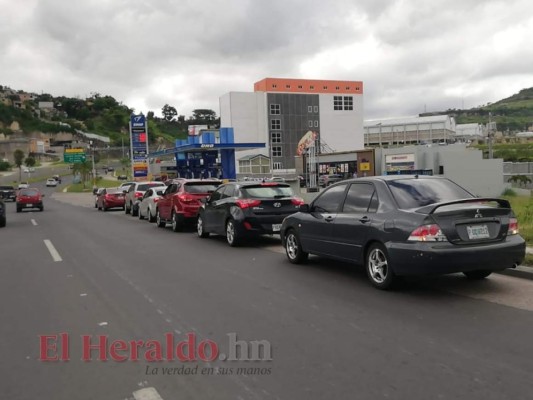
(309, 109)
(325, 87)
(348, 102)
(277, 165)
(275, 124)
(347, 87)
(274, 86)
(275, 109)
(312, 87)
(310, 124)
(357, 88)
(337, 102)
(275, 137)
(287, 86)
(337, 88)
(316, 124)
(244, 167)
(316, 109)
(300, 87)
(276, 151)
(260, 165)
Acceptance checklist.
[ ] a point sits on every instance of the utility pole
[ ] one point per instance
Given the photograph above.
(491, 154)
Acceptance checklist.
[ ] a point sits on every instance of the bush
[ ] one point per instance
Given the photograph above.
(4, 166)
(509, 193)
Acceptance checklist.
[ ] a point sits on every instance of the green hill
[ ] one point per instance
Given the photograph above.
(98, 114)
(513, 114)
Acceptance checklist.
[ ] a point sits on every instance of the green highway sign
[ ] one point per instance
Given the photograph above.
(73, 158)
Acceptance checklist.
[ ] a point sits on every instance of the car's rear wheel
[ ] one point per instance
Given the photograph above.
(378, 267)
(200, 228)
(151, 218)
(177, 222)
(2, 222)
(134, 210)
(232, 236)
(19, 209)
(140, 214)
(160, 223)
(476, 275)
(293, 248)
(127, 209)
(41, 208)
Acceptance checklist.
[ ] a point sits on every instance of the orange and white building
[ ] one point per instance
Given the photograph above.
(279, 112)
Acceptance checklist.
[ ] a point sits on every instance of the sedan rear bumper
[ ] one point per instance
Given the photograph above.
(426, 258)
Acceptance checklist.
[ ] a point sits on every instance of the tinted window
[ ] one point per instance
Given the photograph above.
(413, 193)
(358, 198)
(113, 190)
(217, 195)
(229, 191)
(267, 191)
(330, 200)
(199, 187)
(146, 186)
(29, 192)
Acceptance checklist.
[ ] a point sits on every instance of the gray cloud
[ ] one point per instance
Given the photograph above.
(412, 55)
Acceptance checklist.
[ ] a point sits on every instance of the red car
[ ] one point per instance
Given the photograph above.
(110, 198)
(29, 198)
(182, 200)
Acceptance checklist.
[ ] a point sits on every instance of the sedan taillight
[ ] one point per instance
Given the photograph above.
(427, 233)
(297, 201)
(247, 203)
(513, 227)
(138, 195)
(185, 198)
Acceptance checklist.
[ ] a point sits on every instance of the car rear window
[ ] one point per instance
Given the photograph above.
(267, 192)
(414, 193)
(7, 188)
(145, 186)
(29, 192)
(199, 187)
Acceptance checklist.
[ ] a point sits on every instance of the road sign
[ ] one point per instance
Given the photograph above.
(72, 158)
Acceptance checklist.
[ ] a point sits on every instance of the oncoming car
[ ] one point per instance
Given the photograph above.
(51, 182)
(406, 225)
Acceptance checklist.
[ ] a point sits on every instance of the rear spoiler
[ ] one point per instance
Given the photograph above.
(433, 207)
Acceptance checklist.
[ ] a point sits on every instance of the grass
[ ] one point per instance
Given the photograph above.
(78, 187)
(523, 209)
(528, 260)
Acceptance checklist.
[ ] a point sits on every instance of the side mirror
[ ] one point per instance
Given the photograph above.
(95, 191)
(204, 200)
(124, 191)
(305, 208)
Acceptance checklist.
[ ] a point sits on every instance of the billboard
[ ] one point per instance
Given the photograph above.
(139, 146)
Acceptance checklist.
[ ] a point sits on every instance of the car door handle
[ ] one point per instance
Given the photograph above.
(329, 218)
(364, 220)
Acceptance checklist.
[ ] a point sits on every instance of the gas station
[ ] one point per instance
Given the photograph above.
(209, 154)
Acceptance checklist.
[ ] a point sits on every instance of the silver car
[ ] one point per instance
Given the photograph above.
(147, 206)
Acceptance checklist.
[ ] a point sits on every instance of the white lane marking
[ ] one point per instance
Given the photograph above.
(34, 223)
(102, 323)
(53, 252)
(147, 394)
(83, 294)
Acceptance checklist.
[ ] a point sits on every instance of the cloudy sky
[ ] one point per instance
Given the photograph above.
(412, 55)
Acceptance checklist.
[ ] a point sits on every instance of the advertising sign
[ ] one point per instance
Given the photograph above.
(399, 162)
(139, 146)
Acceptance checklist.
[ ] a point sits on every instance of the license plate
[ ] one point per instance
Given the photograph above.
(276, 227)
(29, 205)
(478, 232)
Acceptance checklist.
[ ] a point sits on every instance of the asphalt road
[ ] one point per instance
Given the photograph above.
(74, 270)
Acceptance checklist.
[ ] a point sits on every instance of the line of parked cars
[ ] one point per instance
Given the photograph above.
(394, 226)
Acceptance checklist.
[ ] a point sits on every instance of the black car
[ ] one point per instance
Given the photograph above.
(2, 214)
(242, 209)
(8, 193)
(406, 225)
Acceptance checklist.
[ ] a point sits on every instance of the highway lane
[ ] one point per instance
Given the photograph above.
(332, 335)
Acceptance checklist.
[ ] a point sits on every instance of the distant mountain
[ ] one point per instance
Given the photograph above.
(513, 114)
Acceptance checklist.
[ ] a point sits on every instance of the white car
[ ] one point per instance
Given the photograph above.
(23, 185)
(148, 204)
(51, 182)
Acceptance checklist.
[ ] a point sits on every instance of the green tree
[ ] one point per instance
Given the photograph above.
(169, 112)
(18, 156)
(84, 169)
(204, 116)
(29, 162)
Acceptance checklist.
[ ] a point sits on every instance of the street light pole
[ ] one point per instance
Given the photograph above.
(94, 170)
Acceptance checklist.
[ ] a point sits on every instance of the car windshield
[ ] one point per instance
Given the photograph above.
(267, 191)
(414, 193)
(6, 187)
(145, 186)
(200, 187)
(29, 192)
(113, 190)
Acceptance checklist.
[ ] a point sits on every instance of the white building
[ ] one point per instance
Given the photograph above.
(281, 111)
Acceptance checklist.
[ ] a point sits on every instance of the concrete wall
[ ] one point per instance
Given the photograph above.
(342, 130)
